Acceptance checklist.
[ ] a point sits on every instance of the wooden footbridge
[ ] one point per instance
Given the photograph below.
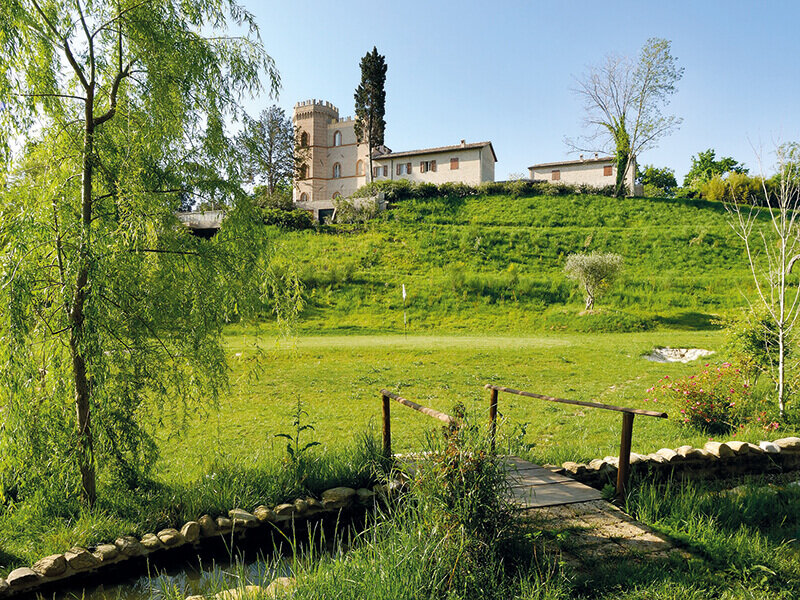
(532, 486)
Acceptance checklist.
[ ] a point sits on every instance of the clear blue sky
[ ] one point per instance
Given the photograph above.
(504, 70)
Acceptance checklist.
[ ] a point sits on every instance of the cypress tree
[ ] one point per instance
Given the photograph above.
(370, 97)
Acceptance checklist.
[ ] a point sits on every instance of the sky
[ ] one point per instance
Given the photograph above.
(505, 71)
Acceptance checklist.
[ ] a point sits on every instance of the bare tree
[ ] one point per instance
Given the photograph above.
(772, 248)
(623, 99)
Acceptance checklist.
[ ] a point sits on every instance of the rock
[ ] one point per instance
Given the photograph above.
(574, 469)
(281, 585)
(80, 559)
(242, 518)
(300, 506)
(285, 510)
(669, 455)
(612, 460)
(22, 576)
(171, 537)
(597, 464)
(151, 542)
(365, 496)
(191, 531)
(637, 458)
(51, 566)
(719, 449)
(106, 552)
(208, 526)
(314, 506)
(753, 449)
(248, 591)
(689, 453)
(130, 546)
(339, 497)
(706, 455)
(739, 448)
(769, 447)
(264, 514)
(3, 586)
(657, 459)
(791, 444)
(224, 524)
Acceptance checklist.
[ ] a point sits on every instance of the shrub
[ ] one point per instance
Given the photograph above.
(594, 272)
(287, 219)
(716, 400)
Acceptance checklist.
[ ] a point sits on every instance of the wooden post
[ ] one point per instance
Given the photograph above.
(624, 454)
(387, 428)
(493, 417)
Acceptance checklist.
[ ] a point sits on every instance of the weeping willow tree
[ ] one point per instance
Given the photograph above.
(112, 313)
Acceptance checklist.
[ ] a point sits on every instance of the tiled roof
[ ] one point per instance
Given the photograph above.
(601, 159)
(439, 149)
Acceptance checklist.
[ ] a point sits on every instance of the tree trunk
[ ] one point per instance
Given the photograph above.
(77, 316)
(589, 301)
(622, 168)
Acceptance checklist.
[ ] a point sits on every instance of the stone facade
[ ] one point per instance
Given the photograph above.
(338, 165)
(598, 172)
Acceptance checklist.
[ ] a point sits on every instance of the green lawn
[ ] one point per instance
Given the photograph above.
(338, 378)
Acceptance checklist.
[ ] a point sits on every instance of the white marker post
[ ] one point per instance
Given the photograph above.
(405, 320)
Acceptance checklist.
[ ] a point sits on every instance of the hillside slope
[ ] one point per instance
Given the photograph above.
(496, 263)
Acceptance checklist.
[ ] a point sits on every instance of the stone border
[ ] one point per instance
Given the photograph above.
(715, 460)
(79, 561)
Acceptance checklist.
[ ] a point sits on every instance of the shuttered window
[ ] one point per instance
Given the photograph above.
(385, 171)
(433, 166)
(422, 166)
(453, 164)
(408, 168)
(556, 175)
(607, 171)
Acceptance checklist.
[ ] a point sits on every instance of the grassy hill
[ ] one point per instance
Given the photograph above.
(496, 262)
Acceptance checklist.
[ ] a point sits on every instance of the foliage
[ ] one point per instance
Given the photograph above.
(267, 151)
(279, 199)
(623, 100)
(752, 344)
(715, 401)
(370, 97)
(705, 166)
(296, 219)
(355, 210)
(595, 272)
(118, 110)
(657, 182)
(297, 451)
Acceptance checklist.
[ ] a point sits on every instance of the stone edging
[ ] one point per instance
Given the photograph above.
(79, 561)
(714, 460)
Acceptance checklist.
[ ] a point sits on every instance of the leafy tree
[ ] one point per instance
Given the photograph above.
(269, 153)
(705, 166)
(595, 272)
(657, 181)
(623, 99)
(110, 305)
(370, 99)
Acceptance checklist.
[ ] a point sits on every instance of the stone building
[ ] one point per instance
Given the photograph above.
(337, 164)
(598, 171)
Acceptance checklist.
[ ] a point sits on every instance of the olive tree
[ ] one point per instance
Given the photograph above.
(114, 114)
(595, 272)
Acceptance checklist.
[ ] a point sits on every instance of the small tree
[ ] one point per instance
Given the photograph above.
(266, 148)
(595, 272)
(371, 103)
(705, 167)
(771, 253)
(623, 100)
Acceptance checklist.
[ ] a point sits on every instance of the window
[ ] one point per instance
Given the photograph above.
(454, 164)
(408, 168)
(337, 170)
(336, 195)
(385, 171)
(359, 167)
(337, 138)
(303, 197)
(404, 169)
(376, 172)
(607, 170)
(555, 175)
(427, 165)
(303, 139)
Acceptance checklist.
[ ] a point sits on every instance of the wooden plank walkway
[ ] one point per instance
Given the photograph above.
(533, 486)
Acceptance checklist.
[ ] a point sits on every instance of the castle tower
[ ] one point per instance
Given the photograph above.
(312, 120)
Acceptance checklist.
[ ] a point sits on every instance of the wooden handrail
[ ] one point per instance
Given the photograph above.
(386, 395)
(635, 411)
(626, 438)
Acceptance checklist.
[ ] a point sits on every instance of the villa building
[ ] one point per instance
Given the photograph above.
(598, 171)
(337, 164)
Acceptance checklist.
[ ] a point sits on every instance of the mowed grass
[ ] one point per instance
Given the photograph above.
(338, 379)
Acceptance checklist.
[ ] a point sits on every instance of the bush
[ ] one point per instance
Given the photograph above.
(287, 219)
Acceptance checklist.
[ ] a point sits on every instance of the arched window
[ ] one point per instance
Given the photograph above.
(303, 197)
(303, 139)
(337, 171)
(336, 195)
(303, 171)
(337, 138)
(359, 167)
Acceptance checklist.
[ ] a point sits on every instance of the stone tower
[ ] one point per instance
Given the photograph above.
(312, 120)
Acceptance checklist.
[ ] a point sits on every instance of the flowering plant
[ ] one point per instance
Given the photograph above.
(714, 401)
